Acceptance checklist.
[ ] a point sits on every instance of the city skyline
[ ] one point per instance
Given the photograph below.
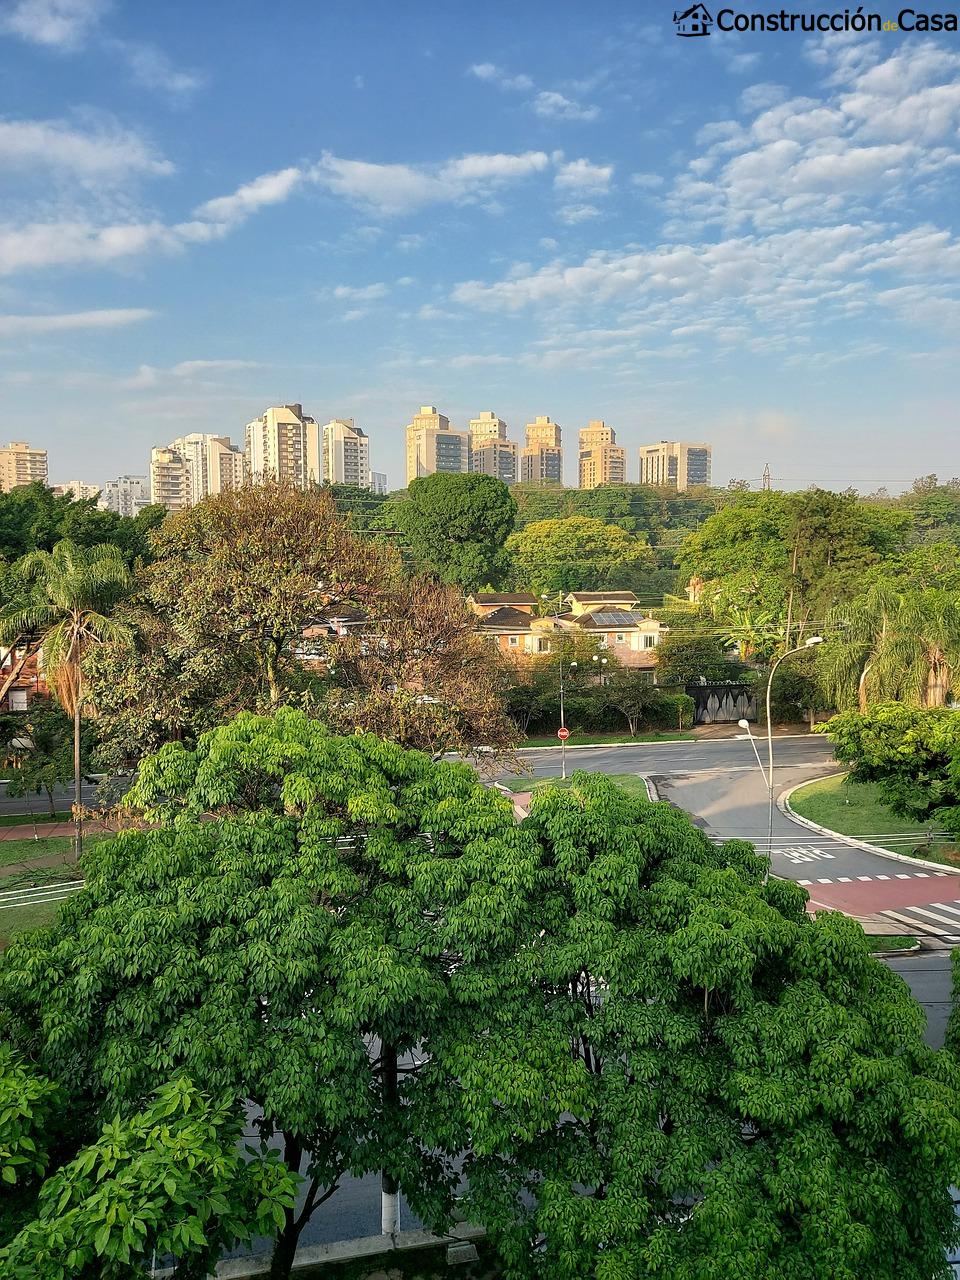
(748, 239)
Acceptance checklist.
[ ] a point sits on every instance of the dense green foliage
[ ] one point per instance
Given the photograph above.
(684, 656)
(912, 754)
(42, 758)
(759, 1099)
(655, 1062)
(34, 518)
(455, 526)
(170, 1180)
(580, 553)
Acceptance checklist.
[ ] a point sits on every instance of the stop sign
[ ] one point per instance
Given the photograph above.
(563, 734)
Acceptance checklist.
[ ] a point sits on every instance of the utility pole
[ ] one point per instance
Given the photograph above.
(765, 482)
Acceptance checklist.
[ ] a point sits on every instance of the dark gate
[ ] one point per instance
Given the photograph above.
(723, 703)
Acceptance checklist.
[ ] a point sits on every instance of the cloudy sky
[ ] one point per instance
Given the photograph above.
(533, 208)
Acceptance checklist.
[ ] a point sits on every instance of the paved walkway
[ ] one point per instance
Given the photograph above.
(26, 830)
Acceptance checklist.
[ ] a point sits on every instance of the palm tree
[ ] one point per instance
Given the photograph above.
(75, 587)
(894, 646)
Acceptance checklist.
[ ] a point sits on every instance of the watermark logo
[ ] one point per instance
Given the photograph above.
(695, 21)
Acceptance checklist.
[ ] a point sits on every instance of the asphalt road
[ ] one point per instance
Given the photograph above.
(38, 804)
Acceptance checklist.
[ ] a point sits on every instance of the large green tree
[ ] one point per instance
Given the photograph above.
(455, 526)
(580, 553)
(34, 518)
(352, 904)
(265, 596)
(68, 613)
(759, 1102)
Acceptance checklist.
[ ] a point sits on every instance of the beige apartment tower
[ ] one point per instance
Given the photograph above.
(284, 444)
(541, 458)
(169, 479)
(432, 446)
(602, 460)
(346, 453)
(676, 464)
(492, 454)
(20, 465)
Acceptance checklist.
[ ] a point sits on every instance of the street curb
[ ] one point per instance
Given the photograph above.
(897, 951)
(783, 804)
(663, 742)
(653, 795)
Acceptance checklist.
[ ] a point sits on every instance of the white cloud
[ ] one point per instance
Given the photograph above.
(75, 243)
(103, 151)
(190, 368)
(554, 106)
(571, 214)
(28, 326)
(269, 188)
(57, 23)
(152, 68)
(393, 189)
(361, 293)
(491, 74)
(583, 176)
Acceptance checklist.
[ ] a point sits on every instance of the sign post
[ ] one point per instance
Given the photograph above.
(563, 733)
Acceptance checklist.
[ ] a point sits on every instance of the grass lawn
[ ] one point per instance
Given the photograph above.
(27, 850)
(606, 739)
(25, 819)
(854, 809)
(893, 942)
(18, 919)
(630, 783)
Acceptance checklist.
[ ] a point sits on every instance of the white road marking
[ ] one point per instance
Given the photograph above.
(864, 877)
(824, 882)
(903, 875)
(883, 877)
(922, 874)
(804, 882)
(934, 915)
(952, 907)
(843, 880)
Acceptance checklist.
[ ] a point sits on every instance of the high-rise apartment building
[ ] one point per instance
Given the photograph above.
(432, 446)
(213, 462)
(345, 453)
(126, 496)
(602, 460)
(284, 444)
(676, 464)
(20, 465)
(76, 489)
(169, 479)
(541, 459)
(377, 482)
(492, 454)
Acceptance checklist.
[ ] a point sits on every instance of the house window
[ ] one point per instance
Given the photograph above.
(543, 646)
(18, 700)
(649, 641)
(513, 641)
(620, 637)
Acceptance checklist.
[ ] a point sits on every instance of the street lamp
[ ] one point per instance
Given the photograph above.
(601, 663)
(810, 643)
(563, 724)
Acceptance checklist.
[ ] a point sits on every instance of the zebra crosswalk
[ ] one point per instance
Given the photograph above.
(939, 918)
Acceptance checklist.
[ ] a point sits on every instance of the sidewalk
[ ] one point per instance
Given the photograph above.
(26, 830)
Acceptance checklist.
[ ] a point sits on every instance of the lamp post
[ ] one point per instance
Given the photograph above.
(563, 724)
(601, 663)
(810, 643)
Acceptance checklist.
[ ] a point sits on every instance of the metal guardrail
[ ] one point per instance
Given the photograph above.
(57, 891)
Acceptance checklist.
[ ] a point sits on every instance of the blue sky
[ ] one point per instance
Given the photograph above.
(532, 208)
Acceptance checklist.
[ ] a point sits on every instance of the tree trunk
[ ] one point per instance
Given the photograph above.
(77, 778)
(389, 1192)
(285, 1245)
(14, 671)
(862, 690)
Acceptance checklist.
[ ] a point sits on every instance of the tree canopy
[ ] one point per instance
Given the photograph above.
(455, 526)
(580, 553)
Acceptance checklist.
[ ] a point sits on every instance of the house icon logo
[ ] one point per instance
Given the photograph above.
(695, 21)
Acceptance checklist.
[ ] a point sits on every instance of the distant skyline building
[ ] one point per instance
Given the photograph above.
(491, 453)
(432, 446)
(378, 482)
(20, 465)
(125, 496)
(169, 479)
(214, 463)
(541, 458)
(676, 464)
(602, 460)
(346, 453)
(79, 490)
(284, 444)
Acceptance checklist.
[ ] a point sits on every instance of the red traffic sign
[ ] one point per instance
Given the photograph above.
(563, 734)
